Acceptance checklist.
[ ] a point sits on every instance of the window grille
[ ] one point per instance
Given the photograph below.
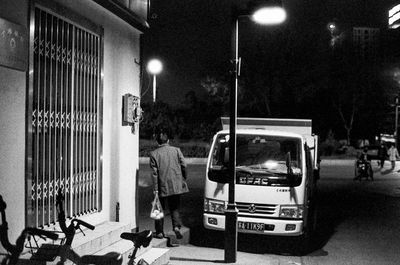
(66, 115)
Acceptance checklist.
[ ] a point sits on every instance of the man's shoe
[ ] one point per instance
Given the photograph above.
(178, 233)
(159, 235)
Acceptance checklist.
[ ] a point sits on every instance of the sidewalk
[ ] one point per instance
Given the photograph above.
(189, 254)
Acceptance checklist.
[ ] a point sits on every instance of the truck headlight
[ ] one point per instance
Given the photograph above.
(214, 206)
(291, 211)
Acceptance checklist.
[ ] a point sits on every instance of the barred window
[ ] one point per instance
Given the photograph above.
(65, 133)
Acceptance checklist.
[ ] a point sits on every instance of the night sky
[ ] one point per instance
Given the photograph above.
(192, 37)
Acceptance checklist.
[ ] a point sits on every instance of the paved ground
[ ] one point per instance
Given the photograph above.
(360, 221)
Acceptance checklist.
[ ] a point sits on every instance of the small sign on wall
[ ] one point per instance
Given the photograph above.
(130, 104)
(13, 45)
(131, 111)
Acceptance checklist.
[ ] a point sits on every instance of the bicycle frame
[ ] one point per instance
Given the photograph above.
(67, 253)
(140, 239)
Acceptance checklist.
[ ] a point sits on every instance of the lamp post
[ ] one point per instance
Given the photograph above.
(396, 125)
(154, 67)
(335, 34)
(265, 14)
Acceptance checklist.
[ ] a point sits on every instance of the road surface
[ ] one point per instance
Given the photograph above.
(359, 222)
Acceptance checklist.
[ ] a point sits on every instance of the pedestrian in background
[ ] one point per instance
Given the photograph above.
(393, 155)
(169, 179)
(382, 154)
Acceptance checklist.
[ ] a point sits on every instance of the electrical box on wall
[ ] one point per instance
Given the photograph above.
(131, 111)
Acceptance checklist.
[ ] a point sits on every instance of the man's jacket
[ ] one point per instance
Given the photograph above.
(168, 170)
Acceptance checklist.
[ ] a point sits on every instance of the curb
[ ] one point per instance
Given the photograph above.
(189, 160)
(200, 161)
(337, 162)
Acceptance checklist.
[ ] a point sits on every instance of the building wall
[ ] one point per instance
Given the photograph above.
(120, 147)
(12, 128)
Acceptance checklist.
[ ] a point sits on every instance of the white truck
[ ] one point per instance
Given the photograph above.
(277, 168)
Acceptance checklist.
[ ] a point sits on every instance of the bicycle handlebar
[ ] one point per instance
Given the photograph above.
(80, 222)
(69, 231)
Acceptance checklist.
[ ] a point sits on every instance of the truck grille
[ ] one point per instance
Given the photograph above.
(255, 208)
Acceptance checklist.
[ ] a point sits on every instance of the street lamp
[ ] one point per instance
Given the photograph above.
(154, 67)
(331, 27)
(336, 36)
(265, 13)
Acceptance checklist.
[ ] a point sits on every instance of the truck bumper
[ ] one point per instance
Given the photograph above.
(263, 226)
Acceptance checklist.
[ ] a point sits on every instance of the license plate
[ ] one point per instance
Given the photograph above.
(250, 226)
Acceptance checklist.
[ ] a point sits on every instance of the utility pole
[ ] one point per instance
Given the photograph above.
(396, 121)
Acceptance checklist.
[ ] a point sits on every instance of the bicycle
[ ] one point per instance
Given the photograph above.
(113, 258)
(14, 251)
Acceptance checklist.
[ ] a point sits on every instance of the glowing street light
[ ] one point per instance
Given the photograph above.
(154, 67)
(269, 15)
(336, 36)
(331, 27)
(265, 14)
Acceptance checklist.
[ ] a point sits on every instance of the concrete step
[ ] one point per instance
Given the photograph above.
(157, 253)
(185, 236)
(151, 255)
(145, 223)
(106, 238)
(125, 248)
(102, 236)
(90, 242)
(155, 256)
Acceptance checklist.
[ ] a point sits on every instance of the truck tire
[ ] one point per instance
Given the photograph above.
(305, 241)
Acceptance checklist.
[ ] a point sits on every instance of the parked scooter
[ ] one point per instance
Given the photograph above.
(363, 170)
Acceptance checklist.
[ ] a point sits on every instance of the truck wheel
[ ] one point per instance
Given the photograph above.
(305, 241)
(303, 244)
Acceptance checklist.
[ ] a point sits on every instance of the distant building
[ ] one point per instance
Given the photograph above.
(392, 38)
(391, 62)
(366, 42)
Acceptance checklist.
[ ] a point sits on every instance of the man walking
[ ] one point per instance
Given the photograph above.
(169, 179)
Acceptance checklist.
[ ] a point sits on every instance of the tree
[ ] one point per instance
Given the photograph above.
(217, 94)
(155, 114)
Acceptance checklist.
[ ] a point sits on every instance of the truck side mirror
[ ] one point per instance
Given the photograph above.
(289, 163)
(226, 156)
(292, 178)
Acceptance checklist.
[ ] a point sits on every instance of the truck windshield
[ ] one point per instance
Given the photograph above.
(260, 154)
